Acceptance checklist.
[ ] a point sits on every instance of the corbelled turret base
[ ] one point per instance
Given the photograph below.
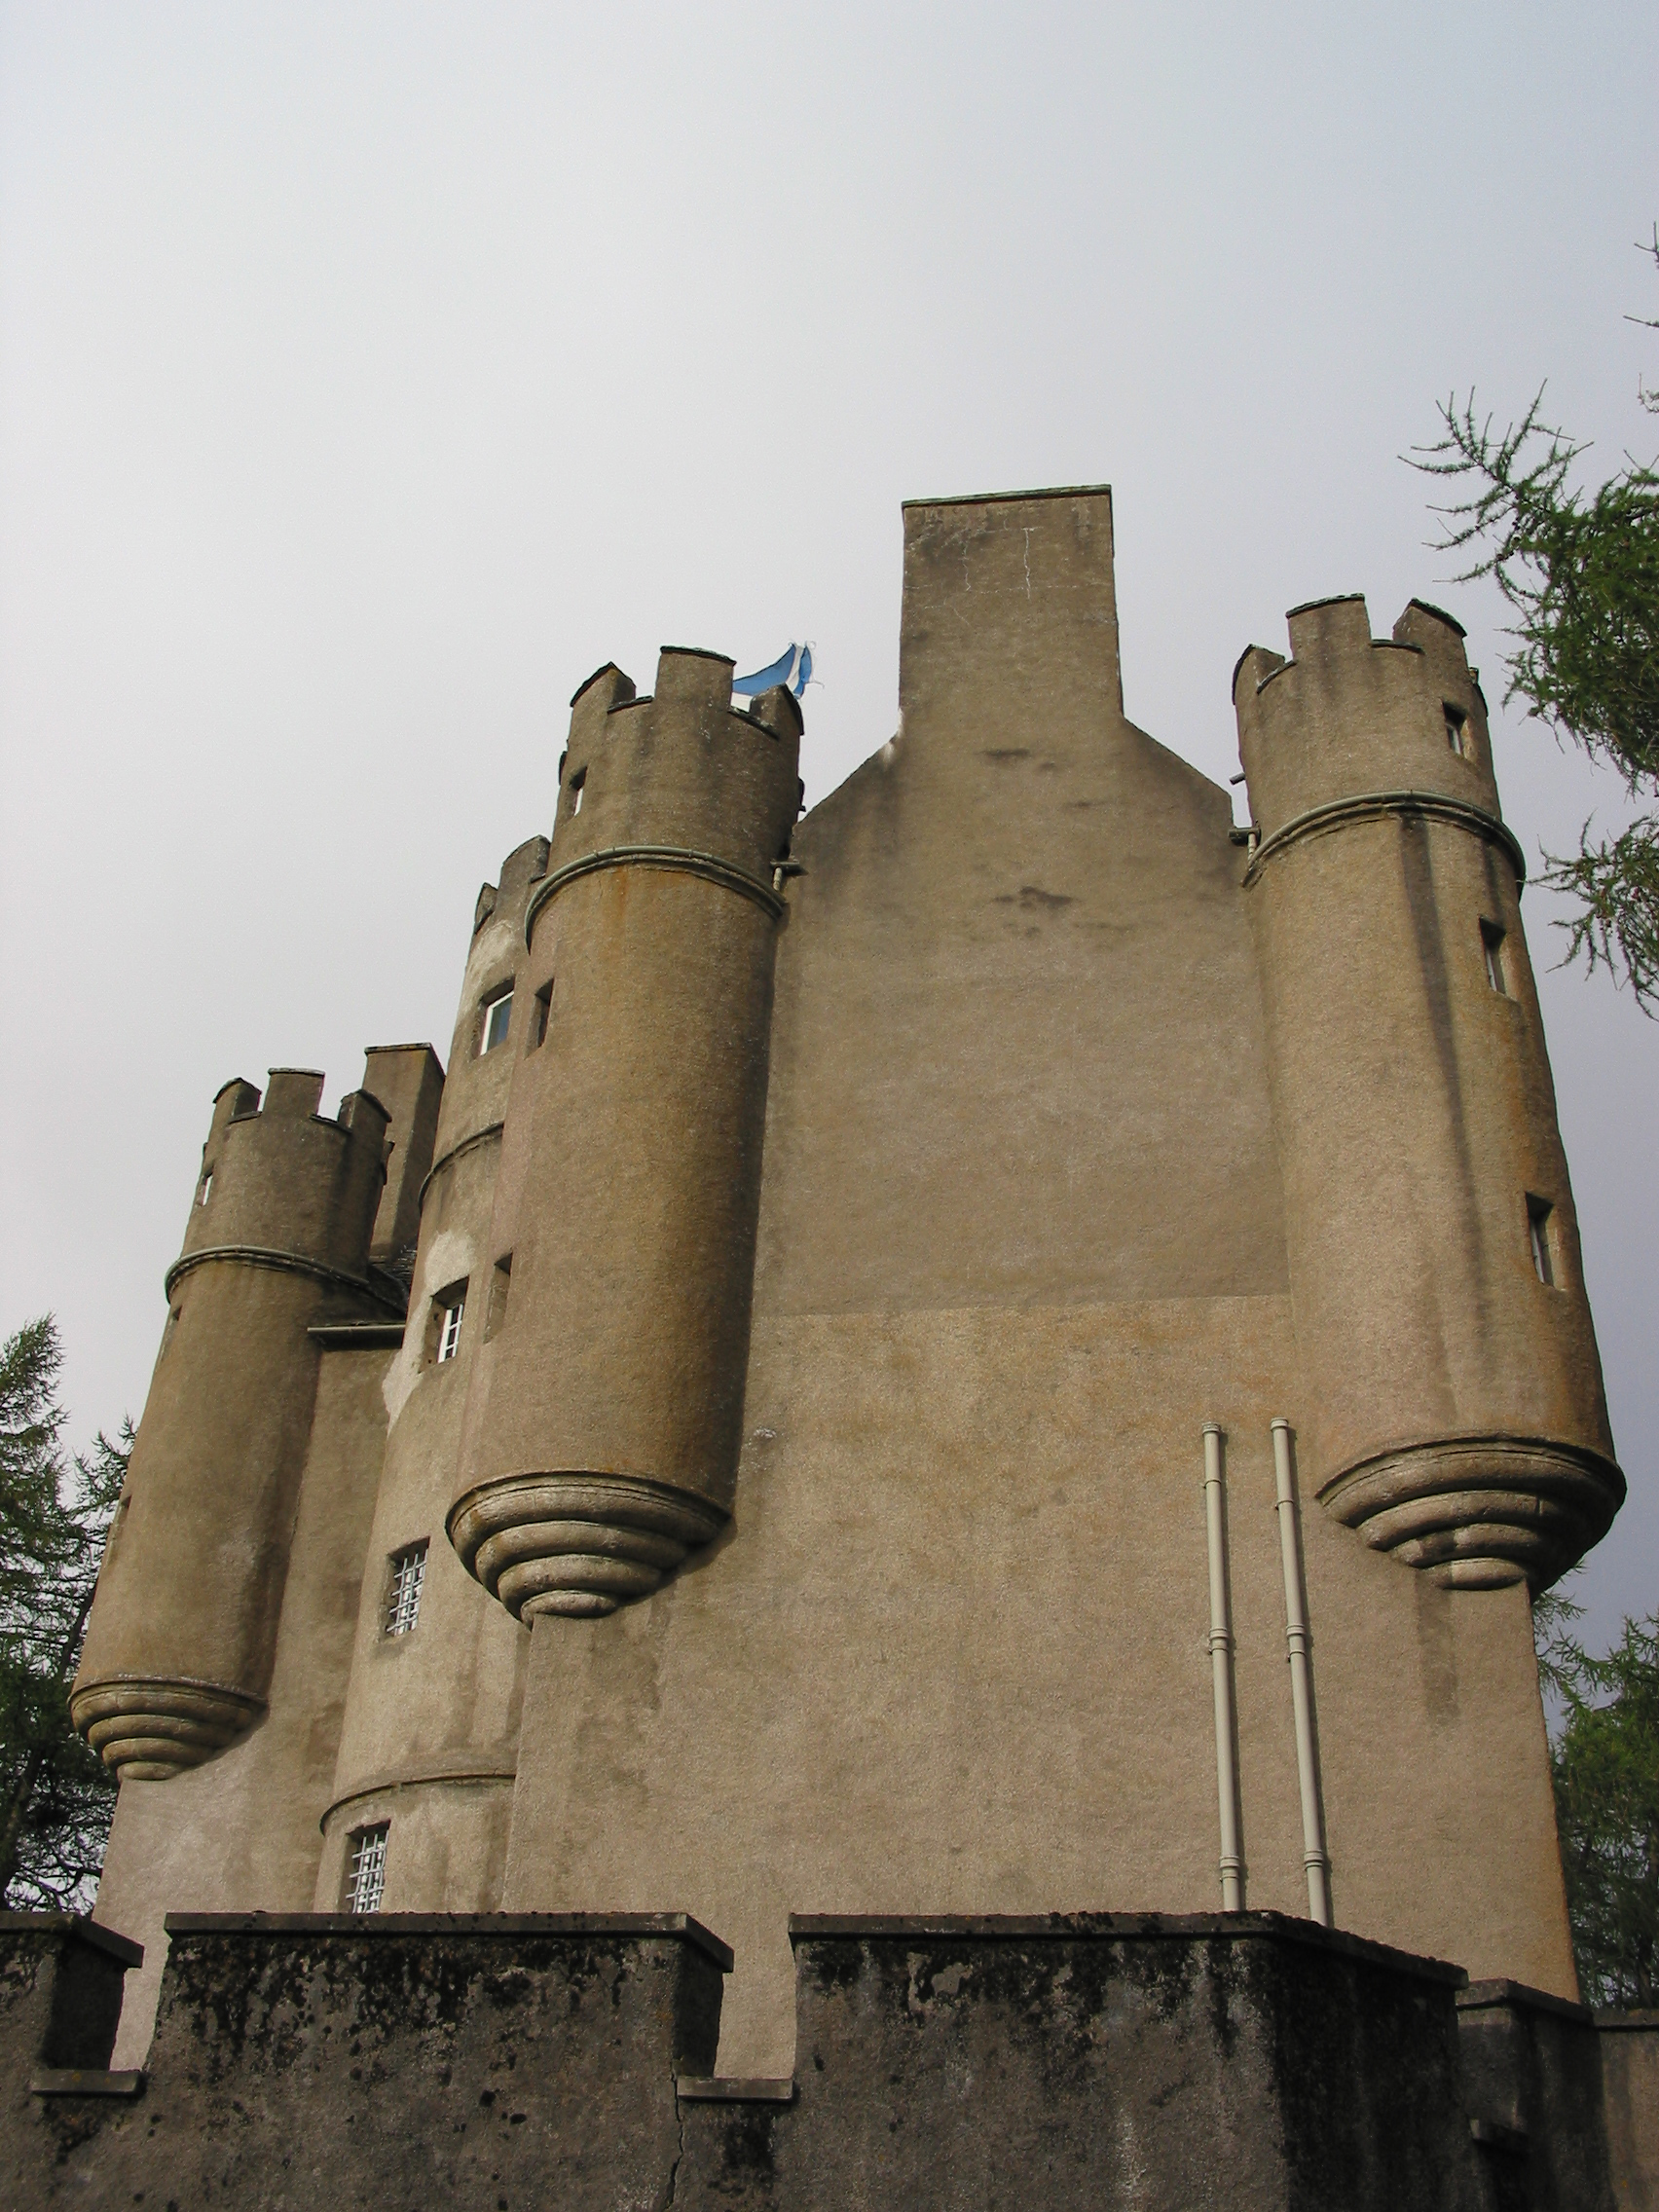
(148, 1728)
(576, 1543)
(1480, 1511)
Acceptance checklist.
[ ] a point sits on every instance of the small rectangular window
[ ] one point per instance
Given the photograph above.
(1457, 731)
(540, 1016)
(500, 1282)
(204, 1190)
(1539, 1212)
(578, 783)
(498, 1020)
(449, 1326)
(1497, 974)
(403, 1590)
(365, 1868)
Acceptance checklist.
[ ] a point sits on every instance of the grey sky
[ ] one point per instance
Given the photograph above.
(369, 374)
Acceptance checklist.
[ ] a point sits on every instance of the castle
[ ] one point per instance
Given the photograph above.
(1007, 1348)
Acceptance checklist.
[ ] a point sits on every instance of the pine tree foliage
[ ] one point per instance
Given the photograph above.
(1605, 1760)
(1580, 572)
(56, 1797)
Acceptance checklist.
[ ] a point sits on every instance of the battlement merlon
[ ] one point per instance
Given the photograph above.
(681, 772)
(410, 1080)
(1351, 717)
(278, 1177)
(524, 866)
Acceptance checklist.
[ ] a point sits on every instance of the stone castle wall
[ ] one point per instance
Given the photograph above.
(857, 1222)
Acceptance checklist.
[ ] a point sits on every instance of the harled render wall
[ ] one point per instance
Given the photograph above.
(1021, 1237)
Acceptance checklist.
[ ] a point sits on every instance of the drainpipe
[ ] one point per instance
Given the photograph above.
(1220, 1670)
(1315, 1856)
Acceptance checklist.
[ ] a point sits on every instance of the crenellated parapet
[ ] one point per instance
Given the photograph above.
(1457, 1416)
(182, 1634)
(605, 1407)
(283, 1186)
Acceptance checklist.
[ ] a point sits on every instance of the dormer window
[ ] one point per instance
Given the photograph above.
(498, 1020)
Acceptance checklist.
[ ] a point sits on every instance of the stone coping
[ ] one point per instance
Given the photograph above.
(1610, 2020)
(1484, 1996)
(86, 2081)
(79, 1925)
(734, 2089)
(1121, 1927)
(468, 1924)
(1003, 499)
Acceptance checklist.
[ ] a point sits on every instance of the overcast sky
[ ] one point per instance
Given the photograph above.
(369, 374)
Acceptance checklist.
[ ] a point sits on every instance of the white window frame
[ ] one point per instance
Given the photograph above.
(403, 1592)
(449, 1328)
(365, 1867)
(486, 1042)
(1491, 942)
(1540, 1212)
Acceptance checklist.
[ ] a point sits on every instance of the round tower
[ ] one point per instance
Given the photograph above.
(183, 1628)
(605, 1406)
(1457, 1414)
(428, 1739)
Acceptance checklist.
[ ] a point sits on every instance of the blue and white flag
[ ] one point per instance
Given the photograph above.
(793, 668)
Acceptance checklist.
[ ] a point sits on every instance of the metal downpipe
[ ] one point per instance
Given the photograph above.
(1298, 1648)
(1221, 1671)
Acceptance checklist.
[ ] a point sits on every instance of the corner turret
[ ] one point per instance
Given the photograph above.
(182, 1635)
(605, 1407)
(1458, 1417)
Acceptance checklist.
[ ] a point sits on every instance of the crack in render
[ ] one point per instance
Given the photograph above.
(674, 2170)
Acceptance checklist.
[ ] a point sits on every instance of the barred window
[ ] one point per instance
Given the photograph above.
(365, 1869)
(403, 1593)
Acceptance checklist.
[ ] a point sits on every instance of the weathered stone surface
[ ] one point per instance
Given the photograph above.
(1102, 2060)
(60, 1978)
(1532, 2085)
(499, 2063)
(409, 2061)
(1629, 2087)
